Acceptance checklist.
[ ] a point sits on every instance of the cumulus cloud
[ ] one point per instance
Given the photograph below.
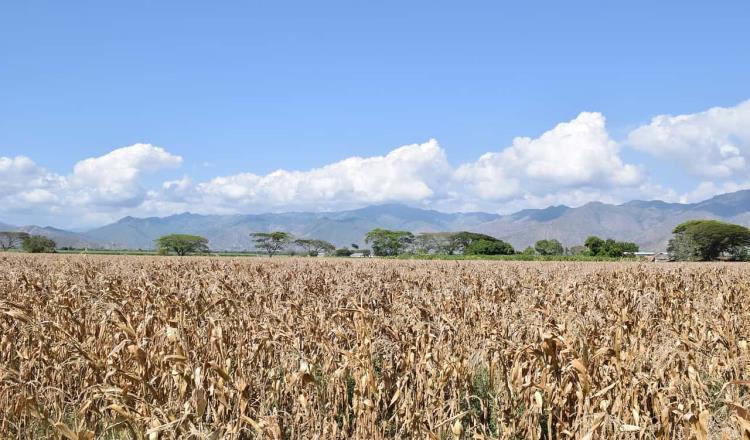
(410, 173)
(573, 154)
(708, 189)
(713, 143)
(18, 174)
(95, 185)
(112, 179)
(572, 163)
(24, 185)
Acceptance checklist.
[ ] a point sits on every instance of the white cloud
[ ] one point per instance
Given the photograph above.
(410, 173)
(178, 186)
(707, 189)
(24, 185)
(112, 179)
(96, 186)
(572, 163)
(19, 174)
(573, 154)
(713, 143)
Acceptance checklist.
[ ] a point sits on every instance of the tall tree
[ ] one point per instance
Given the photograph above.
(433, 242)
(708, 239)
(549, 247)
(577, 250)
(314, 247)
(272, 242)
(609, 248)
(389, 243)
(11, 239)
(461, 241)
(594, 244)
(38, 243)
(343, 252)
(489, 247)
(682, 247)
(182, 244)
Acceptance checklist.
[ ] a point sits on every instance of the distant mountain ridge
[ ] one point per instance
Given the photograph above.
(62, 237)
(231, 232)
(648, 223)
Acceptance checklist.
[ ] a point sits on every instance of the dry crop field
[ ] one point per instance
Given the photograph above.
(159, 347)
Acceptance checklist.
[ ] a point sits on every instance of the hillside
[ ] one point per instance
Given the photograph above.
(62, 237)
(231, 232)
(648, 223)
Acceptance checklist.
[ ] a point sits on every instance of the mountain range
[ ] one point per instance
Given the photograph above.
(648, 223)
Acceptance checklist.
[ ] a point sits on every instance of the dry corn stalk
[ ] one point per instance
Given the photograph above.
(138, 347)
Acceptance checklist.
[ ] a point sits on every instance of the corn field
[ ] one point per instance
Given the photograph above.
(284, 348)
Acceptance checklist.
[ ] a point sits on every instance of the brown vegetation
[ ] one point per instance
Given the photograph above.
(148, 347)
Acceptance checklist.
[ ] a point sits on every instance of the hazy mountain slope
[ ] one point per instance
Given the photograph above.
(648, 223)
(231, 232)
(61, 237)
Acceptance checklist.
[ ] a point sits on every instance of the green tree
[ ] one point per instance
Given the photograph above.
(433, 242)
(314, 247)
(272, 242)
(182, 244)
(609, 248)
(707, 240)
(37, 244)
(549, 247)
(612, 248)
(388, 243)
(12, 239)
(489, 247)
(577, 250)
(594, 245)
(628, 246)
(683, 248)
(343, 252)
(461, 241)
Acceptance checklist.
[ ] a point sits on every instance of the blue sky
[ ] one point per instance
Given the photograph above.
(201, 103)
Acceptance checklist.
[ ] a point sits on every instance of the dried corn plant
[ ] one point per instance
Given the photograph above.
(149, 348)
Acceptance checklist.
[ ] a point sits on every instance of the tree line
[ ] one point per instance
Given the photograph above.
(384, 243)
(693, 240)
(390, 243)
(271, 243)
